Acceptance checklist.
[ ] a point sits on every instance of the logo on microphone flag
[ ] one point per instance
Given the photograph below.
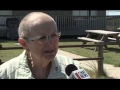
(79, 74)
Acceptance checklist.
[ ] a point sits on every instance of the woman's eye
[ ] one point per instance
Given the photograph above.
(42, 37)
(53, 35)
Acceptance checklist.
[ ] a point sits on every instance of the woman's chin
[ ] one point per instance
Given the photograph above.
(50, 56)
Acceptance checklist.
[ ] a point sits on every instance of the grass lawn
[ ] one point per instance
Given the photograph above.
(111, 55)
(8, 54)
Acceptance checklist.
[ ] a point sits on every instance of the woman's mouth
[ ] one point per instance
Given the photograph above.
(48, 51)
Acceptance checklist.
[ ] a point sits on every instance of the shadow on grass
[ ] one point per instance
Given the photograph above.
(7, 41)
(114, 49)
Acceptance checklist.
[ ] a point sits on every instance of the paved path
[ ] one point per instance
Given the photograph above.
(109, 69)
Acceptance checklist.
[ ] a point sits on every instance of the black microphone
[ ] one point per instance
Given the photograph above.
(74, 73)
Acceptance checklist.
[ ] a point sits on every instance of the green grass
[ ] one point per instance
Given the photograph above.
(7, 43)
(9, 54)
(111, 55)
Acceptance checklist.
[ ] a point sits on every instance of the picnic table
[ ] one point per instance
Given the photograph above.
(107, 37)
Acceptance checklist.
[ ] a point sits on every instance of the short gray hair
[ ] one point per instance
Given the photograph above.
(29, 19)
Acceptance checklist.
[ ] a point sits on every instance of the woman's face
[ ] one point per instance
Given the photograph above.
(43, 48)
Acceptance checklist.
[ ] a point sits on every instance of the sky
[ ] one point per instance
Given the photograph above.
(112, 12)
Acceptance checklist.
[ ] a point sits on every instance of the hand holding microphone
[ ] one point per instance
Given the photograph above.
(74, 73)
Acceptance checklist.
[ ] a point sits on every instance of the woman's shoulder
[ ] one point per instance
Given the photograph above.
(64, 59)
(10, 66)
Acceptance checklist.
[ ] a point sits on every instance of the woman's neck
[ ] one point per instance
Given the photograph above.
(39, 71)
(39, 68)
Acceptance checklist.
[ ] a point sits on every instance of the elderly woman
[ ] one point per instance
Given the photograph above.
(39, 37)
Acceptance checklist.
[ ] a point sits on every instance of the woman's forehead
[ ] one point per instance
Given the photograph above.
(43, 29)
(43, 25)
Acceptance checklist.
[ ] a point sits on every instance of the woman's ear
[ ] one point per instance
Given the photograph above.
(22, 42)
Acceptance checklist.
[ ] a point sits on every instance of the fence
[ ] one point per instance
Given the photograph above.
(99, 58)
(72, 25)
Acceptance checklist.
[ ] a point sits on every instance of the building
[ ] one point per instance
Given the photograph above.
(57, 12)
(70, 22)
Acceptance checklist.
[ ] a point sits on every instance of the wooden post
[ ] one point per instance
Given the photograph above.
(100, 62)
(0, 62)
(0, 59)
(0, 45)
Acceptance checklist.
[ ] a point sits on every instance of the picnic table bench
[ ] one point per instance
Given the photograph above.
(89, 39)
(85, 39)
(105, 37)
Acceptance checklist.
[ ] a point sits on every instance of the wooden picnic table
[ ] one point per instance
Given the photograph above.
(108, 37)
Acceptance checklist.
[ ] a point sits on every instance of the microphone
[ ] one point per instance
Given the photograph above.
(74, 73)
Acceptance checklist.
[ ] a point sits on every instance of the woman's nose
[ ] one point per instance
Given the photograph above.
(49, 39)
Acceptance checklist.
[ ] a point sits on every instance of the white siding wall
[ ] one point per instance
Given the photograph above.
(93, 13)
(79, 12)
(5, 12)
(75, 13)
(83, 13)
